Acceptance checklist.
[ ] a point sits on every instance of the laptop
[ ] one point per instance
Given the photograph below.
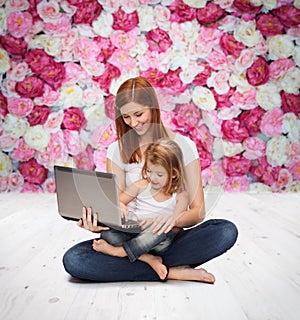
(77, 188)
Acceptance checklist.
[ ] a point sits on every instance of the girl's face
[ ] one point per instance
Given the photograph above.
(137, 116)
(157, 175)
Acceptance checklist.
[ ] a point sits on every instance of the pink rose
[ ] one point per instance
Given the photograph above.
(18, 5)
(54, 120)
(245, 60)
(234, 131)
(15, 181)
(269, 25)
(49, 98)
(106, 47)
(254, 148)
(86, 49)
(103, 136)
(37, 59)
(236, 165)
(18, 23)
(99, 157)
(251, 120)
(288, 15)
(245, 99)
(125, 21)
(122, 60)
(158, 40)
(84, 160)
(219, 82)
(23, 152)
(109, 106)
(73, 142)
(56, 147)
(111, 72)
(290, 102)
(49, 185)
(48, 11)
(214, 174)
(20, 106)
(223, 100)
(31, 188)
(74, 72)
(3, 184)
(210, 13)
(236, 184)
(205, 158)
(280, 67)
(246, 6)
(203, 137)
(258, 73)
(201, 78)
(271, 122)
(188, 113)
(283, 180)
(263, 172)
(125, 40)
(230, 46)
(74, 119)
(172, 83)
(87, 11)
(54, 74)
(294, 169)
(33, 172)
(30, 87)
(3, 105)
(18, 71)
(38, 115)
(7, 142)
(181, 12)
(16, 47)
(217, 60)
(60, 27)
(44, 158)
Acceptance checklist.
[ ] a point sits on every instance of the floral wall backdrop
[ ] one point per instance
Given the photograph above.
(226, 73)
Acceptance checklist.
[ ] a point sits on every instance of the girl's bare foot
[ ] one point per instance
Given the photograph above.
(188, 273)
(156, 264)
(104, 247)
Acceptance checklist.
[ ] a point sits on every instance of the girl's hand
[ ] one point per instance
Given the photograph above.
(163, 223)
(124, 211)
(145, 223)
(89, 221)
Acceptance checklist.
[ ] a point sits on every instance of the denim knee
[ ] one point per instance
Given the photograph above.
(230, 233)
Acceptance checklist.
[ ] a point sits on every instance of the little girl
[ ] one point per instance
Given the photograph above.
(160, 192)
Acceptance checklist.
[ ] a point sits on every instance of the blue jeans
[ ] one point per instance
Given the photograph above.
(137, 244)
(191, 247)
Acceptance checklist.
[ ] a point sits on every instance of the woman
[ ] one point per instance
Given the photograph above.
(138, 124)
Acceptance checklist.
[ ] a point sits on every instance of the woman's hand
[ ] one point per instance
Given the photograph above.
(124, 211)
(163, 223)
(89, 221)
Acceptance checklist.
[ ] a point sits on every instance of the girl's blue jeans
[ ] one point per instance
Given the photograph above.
(137, 244)
(191, 247)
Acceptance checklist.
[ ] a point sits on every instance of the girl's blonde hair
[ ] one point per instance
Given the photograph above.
(140, 91)
(168, 154)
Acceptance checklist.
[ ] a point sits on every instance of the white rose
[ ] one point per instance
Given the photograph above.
(140, 48)
(15, 126)
(268, 96)
(3, 23)
(94, 68)
(92, 96)
(294, 186)
(269, 4)
(277, 150)
(229, 113)
(231, 149)
(37, 137)
(5, 165)
(70, 95)
(4, 61)
(211, 119)
(280, 46)
(258, 187)
(94, 115)
(290, 81)
(102, 26)
(296, 55)
(246, 33)
(297, 4)
(291, 126)
(218, 149)
(239, 81)
(228, 23)
(51, 44)
(195, 3)
(204, 99)
(147, 19)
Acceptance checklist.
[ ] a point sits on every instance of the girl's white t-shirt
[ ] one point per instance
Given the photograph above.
(133, 170)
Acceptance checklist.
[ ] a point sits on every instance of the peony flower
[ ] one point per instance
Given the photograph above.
(234, 131)
(37, 59)
(31, 188)
(3, 105)
(61, 26)
(86, 12)
(102, 26)
(258, 73)
(125, 40)
(19, 106)
(271, 122)
(203, 98)
(23, 151)
(18, 71)
(56, 147)
(30, 87)
(290, 81)
(290, 102)
(236, 165)
(279, 67)
(230, 46)
(37, 137)
(14, 125)
(104, 81)
(288, 15)
(245, 100)
(252, 119)
(246, 33)
(33, 172)
(125, 21)
(294, 169)
(217, 60)
(54, 121)
(19, 23)
(254, 148)
(5, 164)
(70, 95)
(103, 136)
(86, 49)
(290, 127)
(7, 142)
(53, 74)
(211, 13)
(189, 113)
(16, 47)
(280, 46)
(269, 25)
(268, 96)
(15, 181)
(49, 185)
(231, 149)
(99, 158)
(283, 180)
(4, 61)
(4, 184)
(122, 60)
(49, 11)
(247, 6)
(73, 142)
(237, 184)
(38, 115)
(181, 12)
(74, 119)
(158, 40)
(219, 81)
(201, 78)
(205, 158)
(84, 160)
(277, 150)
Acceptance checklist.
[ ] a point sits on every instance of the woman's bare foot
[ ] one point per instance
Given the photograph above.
(156, 264)
(188, 273)
(104, 247)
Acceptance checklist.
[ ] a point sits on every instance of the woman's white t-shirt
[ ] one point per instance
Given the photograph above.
(133, 170)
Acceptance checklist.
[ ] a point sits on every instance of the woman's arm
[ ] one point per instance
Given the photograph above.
(111, 167)
(196, 212)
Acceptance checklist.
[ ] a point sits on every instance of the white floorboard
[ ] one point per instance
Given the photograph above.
(259, 279)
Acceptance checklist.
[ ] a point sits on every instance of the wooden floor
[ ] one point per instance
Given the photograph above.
(259, 279)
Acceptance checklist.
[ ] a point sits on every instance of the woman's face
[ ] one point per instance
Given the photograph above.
(137, 116)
